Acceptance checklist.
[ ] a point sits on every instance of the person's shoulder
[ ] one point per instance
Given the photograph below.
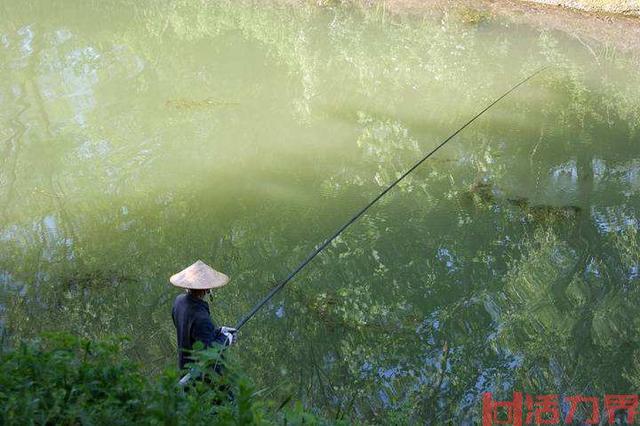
(180, 299)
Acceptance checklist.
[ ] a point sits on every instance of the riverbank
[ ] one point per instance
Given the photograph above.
(601, 26)
(617, 7)
(610, 8)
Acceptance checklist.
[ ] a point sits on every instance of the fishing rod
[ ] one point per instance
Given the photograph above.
(275, 290)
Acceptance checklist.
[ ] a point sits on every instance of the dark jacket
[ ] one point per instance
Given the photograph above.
(193, 323)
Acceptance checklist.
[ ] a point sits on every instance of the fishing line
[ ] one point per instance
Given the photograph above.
(275, 290)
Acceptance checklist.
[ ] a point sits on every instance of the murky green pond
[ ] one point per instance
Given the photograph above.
(135, 139)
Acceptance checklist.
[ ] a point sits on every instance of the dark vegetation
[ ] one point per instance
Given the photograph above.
(65, 380)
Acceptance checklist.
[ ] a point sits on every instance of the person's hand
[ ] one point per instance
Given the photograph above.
(230, 334)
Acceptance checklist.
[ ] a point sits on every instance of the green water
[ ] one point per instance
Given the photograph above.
(137, 138)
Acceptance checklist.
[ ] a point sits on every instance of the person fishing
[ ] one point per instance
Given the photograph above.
(190, 312)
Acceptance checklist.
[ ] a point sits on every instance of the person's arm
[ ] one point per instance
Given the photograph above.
(204, 331)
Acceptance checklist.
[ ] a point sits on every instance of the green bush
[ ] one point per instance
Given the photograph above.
(62, 379)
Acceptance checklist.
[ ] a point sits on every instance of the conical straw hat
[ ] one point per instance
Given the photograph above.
(199, 276)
